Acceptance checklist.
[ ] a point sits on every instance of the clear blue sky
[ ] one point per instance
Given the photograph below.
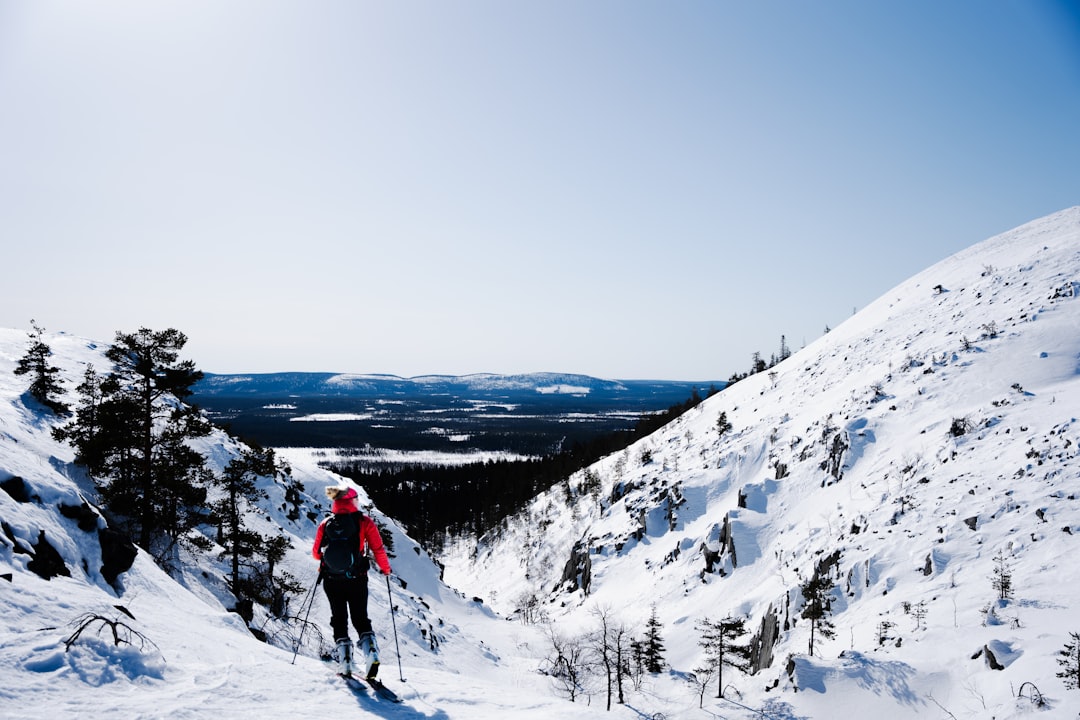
(626, 189)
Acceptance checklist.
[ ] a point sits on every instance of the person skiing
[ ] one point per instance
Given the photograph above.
(341, 541)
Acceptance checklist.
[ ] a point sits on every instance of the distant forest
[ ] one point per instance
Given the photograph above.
(436, 501)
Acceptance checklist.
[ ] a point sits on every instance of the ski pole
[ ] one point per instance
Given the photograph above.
(303, 624)
(393, 621)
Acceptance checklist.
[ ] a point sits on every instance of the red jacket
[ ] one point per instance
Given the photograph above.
(369, 536)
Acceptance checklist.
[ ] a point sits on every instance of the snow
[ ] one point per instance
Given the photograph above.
(987, 341)
(332, 417)
(389, 456)
(186, 655)
(563, 390)
(990, 337)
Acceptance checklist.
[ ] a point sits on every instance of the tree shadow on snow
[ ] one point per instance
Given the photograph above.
(890, 678)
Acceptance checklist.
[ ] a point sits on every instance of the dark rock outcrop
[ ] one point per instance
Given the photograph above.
(16, 487)
(578, 570)
(47, 562)
(117, 554)
(764, 640)
(83, 514)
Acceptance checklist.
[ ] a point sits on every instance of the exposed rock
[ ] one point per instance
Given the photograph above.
(578, 570)
(16, 487)
(245, 609)
(764, 640)
(834, 461)
(47, 562)
(117, 554)
(17, 545)
(718, 544)
(83, 514)
(828, 564)
(991, 660)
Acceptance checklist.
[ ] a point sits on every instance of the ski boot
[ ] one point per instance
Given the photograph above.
(369, 652)
(343, 656)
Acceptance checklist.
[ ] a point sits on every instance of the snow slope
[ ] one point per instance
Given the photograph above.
(185, 655)
(849, 450)
(930, 433)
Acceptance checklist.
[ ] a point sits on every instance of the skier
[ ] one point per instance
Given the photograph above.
(340, 544)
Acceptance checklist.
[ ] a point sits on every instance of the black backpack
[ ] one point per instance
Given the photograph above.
(341, 555)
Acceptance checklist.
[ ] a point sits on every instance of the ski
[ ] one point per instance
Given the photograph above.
(360, 686)
(354, 684)
(382, 691)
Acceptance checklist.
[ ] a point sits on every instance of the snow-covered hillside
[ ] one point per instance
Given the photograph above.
(911, 453)
(898, 455)
(183, 654)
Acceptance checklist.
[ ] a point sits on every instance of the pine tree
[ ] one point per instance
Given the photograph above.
(722, 423)
(637, 657)
(132, 432)
(918, 612)
(238, 483)
(720, 640)
(758, 365)
(785, 351)
(654, 644)
(883, 629)
(1002, 581)
(1070, 661)
(45, 384)
(816, 592)
(274, 589)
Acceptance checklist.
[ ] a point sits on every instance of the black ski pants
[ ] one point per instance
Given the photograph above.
(348, 598)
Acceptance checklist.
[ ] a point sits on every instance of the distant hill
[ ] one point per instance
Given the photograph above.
(461, 418)
(489, 385)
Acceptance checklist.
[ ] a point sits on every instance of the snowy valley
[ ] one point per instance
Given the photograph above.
(909, 459)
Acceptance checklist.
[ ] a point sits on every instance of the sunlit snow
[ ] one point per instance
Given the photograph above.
(987, 341)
